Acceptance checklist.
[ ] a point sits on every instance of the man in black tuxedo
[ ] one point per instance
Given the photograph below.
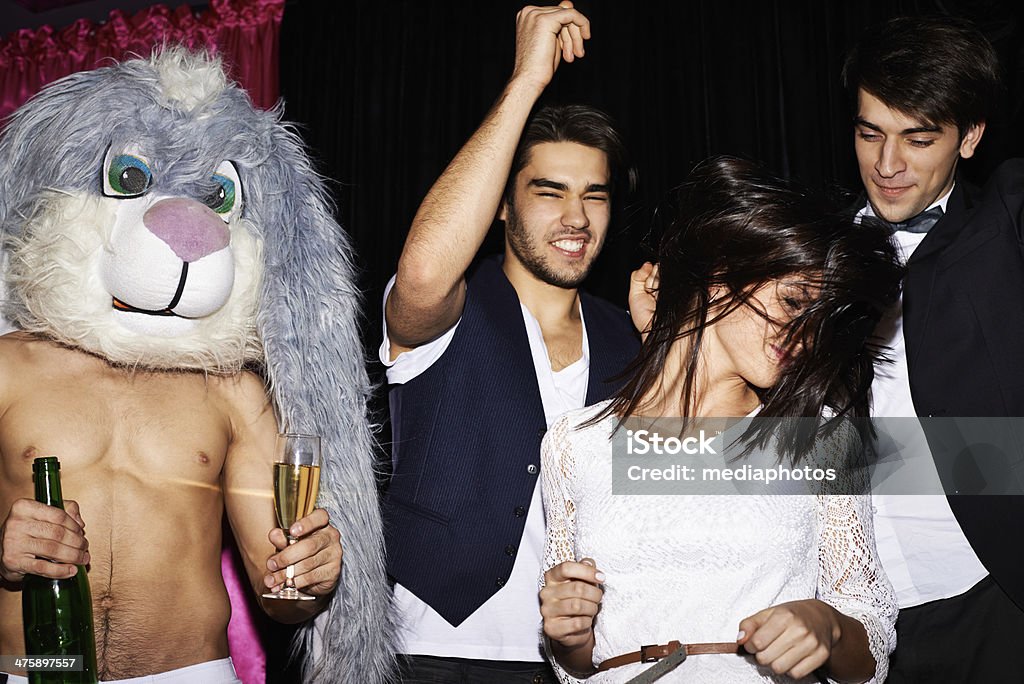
(923, 89)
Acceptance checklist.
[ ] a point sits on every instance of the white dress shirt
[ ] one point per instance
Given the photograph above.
(920, 543)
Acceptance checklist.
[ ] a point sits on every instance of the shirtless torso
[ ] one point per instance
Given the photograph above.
(152, 459)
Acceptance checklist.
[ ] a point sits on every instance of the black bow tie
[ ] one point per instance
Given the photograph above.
(921, 223)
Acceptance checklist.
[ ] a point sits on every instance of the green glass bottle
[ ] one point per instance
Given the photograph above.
(57, 613)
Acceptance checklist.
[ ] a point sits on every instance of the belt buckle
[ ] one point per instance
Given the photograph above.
(649, 658)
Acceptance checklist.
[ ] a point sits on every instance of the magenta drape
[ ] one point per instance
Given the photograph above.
(243, 32)
(244, 642)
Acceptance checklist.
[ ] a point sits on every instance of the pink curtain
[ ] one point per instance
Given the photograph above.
(244, 641)
(243, 32)
(245, 35)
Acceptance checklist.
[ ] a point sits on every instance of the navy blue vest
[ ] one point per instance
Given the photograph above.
(466, 446)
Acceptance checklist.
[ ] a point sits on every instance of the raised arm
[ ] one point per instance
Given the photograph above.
(456, 214)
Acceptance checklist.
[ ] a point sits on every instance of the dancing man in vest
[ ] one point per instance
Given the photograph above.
(483, 357)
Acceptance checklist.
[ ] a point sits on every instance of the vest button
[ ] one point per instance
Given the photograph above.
(519, 511)
(542, 432)
(532, 469)
(500, 582)
(510, 550)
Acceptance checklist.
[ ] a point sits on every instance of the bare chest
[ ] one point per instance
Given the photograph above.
(152, 424)
(142, 454)
(564, 345)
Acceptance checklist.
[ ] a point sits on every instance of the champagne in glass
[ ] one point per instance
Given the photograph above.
(296, 483)
(295, 490)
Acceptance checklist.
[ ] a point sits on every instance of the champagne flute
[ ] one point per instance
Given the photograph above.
(296, 483)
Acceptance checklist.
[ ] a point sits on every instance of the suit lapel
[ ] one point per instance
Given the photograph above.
(946, 230)
(600, 361)
(503, 314)
(921, 268)
(610, 351)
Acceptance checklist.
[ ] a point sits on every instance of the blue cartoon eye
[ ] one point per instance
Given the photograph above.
(222, 200)
(128, 176)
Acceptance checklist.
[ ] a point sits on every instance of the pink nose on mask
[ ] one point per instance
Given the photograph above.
(192, 230)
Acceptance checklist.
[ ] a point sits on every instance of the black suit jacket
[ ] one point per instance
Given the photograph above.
(963, 323)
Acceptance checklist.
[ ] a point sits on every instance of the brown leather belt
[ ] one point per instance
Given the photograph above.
(654, 653)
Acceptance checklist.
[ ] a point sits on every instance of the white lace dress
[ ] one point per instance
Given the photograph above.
(689, 568)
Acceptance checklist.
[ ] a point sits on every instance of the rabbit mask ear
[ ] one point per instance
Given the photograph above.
(307, 322)
(122, 216)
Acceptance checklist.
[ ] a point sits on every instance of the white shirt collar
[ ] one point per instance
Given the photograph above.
(868, 210)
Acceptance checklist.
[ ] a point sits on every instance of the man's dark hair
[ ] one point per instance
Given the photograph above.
(579, 124)
(940, 70)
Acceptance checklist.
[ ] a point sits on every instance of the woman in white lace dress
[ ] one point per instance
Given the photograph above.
(764, 304)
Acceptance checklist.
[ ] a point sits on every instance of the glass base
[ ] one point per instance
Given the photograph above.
(290, 594)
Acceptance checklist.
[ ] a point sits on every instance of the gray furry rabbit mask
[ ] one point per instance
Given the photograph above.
(151, 216)
(136, 201)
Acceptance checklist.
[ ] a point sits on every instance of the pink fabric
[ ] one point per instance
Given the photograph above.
(243, 638)
(245, 33)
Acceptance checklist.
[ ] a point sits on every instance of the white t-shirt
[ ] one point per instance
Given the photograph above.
(920, 543)
(506, 626)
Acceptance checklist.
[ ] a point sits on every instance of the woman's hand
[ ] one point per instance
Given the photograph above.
(643, 296)
(794, 638)
(569, 602)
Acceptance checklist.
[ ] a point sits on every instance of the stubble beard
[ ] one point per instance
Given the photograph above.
(526, 251)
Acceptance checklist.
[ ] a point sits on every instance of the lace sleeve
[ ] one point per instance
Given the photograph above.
(843, 451)
(558, 466)
(851, 578)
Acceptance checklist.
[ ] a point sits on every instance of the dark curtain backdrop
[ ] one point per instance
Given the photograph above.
(387, 92)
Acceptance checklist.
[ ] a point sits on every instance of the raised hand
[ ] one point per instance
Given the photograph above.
(317, 555)
(544, 37)
(35, 534)
(643, 296)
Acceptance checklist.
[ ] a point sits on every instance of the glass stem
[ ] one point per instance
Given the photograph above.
(289, 572)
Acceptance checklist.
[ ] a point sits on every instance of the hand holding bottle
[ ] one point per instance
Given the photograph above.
(56, 609)
(35, 534)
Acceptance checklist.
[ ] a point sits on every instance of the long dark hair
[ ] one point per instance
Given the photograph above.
(738, 228)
